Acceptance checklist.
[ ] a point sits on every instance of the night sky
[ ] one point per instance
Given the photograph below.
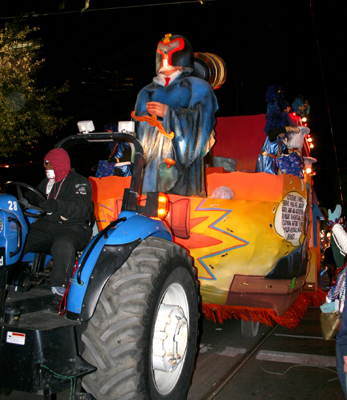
(108, 54)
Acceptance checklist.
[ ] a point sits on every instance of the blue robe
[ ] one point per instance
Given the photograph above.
(266, 163)
(190, 115)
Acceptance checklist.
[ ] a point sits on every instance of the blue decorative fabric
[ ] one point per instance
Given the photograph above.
(266, 163)
(190, 115)
(105, 168)
(291, 164)
(276, 118)
(316, 215)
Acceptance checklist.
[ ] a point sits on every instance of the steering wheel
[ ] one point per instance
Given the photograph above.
(24, 202)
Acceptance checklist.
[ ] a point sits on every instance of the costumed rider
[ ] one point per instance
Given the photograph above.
(184, 105)
(336, 297)
(65, 228)
(292, 163)
(301, 108)
(278, 123)
(119, 161)
(120, 154)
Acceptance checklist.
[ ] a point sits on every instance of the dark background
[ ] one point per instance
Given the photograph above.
(107, 54)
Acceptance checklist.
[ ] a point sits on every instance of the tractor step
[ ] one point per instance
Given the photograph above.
(29, 302)
(46, 345)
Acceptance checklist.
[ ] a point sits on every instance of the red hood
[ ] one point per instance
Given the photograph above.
(60, 161)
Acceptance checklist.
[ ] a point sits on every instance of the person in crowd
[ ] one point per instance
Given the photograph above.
(185, 105)
(65, 228)
(339, 246)
(329, 262)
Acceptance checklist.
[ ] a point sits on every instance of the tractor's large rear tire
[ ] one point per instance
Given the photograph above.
(155, 286)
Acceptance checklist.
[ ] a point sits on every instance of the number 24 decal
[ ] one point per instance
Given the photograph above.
(12, 206)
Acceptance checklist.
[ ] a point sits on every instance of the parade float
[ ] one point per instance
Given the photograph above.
(253, 236)
(256, 253)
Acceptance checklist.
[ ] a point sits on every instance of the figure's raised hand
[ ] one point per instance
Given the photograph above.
(156, 108)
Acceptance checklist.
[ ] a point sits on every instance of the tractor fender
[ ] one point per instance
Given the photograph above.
(104, 255)
(13, 230)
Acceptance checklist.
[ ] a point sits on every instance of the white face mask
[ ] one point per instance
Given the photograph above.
(50, 173)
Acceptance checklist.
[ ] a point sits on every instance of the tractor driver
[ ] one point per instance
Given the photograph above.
(65, 228)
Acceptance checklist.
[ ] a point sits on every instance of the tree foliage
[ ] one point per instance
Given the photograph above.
(27, 112)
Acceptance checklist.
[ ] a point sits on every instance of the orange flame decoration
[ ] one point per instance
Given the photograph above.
(152, 121)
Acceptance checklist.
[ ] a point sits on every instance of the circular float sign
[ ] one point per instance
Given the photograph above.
(289, 218)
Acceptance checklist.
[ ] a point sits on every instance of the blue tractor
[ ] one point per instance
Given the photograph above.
(131, 322)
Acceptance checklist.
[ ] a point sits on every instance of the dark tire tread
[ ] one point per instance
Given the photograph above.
(114, 336)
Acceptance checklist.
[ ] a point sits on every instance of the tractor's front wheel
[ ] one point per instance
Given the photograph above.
(142, 337)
